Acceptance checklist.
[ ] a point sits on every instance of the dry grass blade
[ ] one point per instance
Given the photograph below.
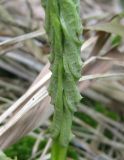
(25, 97)
(28, 122)
(14, 41)
(46, 149)
(98, 76)
(114, 26)
(30, 103)
(35, 102)
(41, 82)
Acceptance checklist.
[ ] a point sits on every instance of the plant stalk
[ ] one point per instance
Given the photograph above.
(58, 151)
(64, 29)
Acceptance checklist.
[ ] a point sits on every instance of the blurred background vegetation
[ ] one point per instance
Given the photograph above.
(98, 124)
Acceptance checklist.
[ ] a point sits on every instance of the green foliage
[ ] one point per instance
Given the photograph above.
(22, 150)
(72, 153)
(99, 107)
(4, 157)
(105, 111)
(64, 29)
(84, 117)
(108, 134)
(116, 40)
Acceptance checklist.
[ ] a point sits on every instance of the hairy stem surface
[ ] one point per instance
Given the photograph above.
(64, 30)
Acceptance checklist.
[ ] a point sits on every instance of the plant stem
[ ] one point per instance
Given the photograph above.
(58, 151)
(64, 29)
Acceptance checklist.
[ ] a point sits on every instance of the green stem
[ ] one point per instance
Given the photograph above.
(64, 29)
(58, 151)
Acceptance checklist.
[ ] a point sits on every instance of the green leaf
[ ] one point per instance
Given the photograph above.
(64, 29)
(3, 156)
(116, 40)
(114, 26)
